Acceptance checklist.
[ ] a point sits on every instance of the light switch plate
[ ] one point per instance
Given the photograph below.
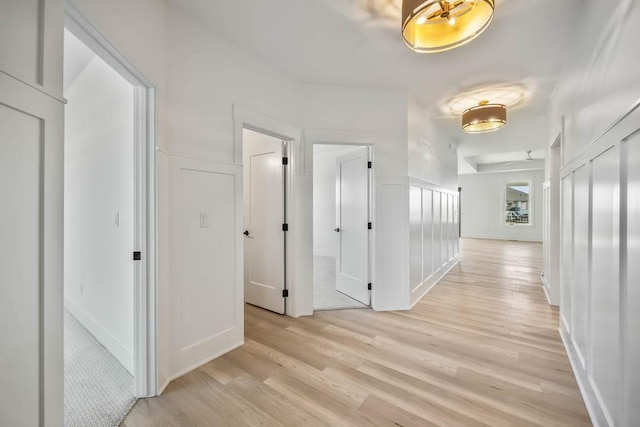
(204, 220)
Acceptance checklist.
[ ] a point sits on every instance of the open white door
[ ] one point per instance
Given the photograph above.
(352, 219)
(31, 185)
(264, 216)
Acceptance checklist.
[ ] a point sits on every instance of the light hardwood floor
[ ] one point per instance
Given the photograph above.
(481, 348)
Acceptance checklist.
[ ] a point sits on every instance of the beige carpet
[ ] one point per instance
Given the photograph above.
(98, 390)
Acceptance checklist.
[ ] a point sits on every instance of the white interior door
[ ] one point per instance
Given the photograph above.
(31, 185)
(264, 216)
(352, 217)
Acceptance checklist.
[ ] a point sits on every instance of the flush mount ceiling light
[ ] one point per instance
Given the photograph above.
(436, 26)
(484, 117)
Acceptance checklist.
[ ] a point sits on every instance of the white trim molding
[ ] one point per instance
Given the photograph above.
(145, 210)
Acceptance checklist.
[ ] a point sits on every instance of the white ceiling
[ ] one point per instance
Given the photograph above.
(358, 43)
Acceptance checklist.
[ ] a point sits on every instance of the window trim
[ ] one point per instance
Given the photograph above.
(503, 202)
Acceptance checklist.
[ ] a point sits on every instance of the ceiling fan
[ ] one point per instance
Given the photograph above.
(527, 160)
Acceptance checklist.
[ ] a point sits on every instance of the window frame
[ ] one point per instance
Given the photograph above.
(503, 203)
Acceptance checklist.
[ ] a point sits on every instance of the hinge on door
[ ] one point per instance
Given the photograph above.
(285, 293)
(369, 286)
(285, 227)
(137, 256)
(285, 161)
(369, 226)
(369, 165)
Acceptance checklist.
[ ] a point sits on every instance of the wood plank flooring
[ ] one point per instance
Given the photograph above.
(481, 348)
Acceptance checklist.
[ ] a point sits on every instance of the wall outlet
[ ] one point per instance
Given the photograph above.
(204, 220)
(116, 220)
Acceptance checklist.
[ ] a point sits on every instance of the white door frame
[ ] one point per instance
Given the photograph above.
(555, 161)
(244, 118)
(346, 138)
(145, 344)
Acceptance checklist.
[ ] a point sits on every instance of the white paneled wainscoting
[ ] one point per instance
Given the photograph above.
(207, 316)
(434, 235)
(600, 271)
(415, 253)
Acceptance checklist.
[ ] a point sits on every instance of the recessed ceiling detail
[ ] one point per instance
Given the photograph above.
(436, 26)
(509, 95)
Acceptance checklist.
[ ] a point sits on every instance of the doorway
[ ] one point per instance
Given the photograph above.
(341, 226)
(265, 220)
(551, 235)
(109, 229)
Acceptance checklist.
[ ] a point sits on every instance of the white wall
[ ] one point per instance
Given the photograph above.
(99, 208)
(200, 77)
(324, 198)
(206, 77)
(380, 113)
(482, 210)
(599, 273)
(433, 158)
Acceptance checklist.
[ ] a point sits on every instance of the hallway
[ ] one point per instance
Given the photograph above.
(481, 348)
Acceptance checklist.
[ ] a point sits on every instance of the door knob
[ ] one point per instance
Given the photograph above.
(337, 230)
(246, 232)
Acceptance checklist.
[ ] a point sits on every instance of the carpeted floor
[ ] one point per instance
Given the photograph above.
(98, 390)
(325, 295)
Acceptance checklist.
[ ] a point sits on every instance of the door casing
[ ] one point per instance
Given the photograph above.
(145, 209)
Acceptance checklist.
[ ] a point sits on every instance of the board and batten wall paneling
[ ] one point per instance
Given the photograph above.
(580, 275)
(207, 313)
(31, 43)
(604, 360)
(20, 266)
(600, 275)
(546, 236)
(31, 184)
(631, 155)
(433, 244)
(566, 250)
(437, 229)
(444, 227)
(416, 236)
(427, 232)
(393, 251)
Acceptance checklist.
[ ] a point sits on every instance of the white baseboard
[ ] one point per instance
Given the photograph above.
(420, 291)
(545, 288)
(598, 419)
(111, 343)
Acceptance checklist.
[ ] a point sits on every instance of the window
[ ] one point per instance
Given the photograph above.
(517, 203)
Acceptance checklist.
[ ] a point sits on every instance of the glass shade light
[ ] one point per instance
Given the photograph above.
(436, 26)
(484, 117)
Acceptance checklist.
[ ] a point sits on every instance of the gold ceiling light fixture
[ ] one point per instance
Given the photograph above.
(484, 117)
(436, 26)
